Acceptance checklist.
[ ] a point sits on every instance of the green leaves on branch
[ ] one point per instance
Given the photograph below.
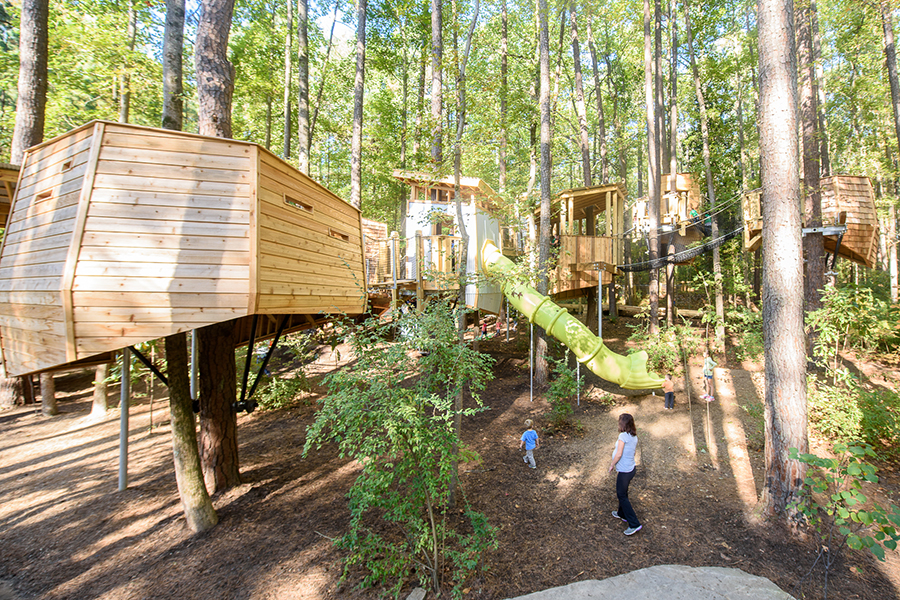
(393, 411)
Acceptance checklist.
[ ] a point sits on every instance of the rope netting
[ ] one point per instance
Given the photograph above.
(684, 255)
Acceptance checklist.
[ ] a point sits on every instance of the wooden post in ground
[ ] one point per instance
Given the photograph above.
(395, 239)
(420, 264)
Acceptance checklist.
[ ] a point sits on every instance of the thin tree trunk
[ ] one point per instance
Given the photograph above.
(288, 71)
(420, 109)
(48, 395)
(653, 170)
(312, 123)
(173, 46)
(100, 402)
(437, 53)
(504, 92)
(601, 120)
(584, 139)
(32, 98)
(218, 420)
(198, 508)
(892, 252)
(710, 187)
(125, 95)
(358, 92)
(784, 340)
(215, 75)
(543, 283)
(304, 130)
(673, 156)
(822, 118)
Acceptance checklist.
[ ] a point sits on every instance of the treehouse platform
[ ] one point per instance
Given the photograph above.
(846, 200)
(587, 226)
(680, 211)
(120, 234)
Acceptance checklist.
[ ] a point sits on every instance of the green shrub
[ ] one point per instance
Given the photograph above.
(832, 502)
(564, 387)
(746, 325)
(664, 351)
(279, 392)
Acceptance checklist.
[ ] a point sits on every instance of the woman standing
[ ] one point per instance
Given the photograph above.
(623, 463)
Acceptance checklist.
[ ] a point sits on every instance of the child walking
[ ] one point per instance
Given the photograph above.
(531, 441)
(708, 365)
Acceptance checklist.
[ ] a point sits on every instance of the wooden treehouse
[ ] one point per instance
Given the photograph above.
(9, 175)
(849, 220)
(120, 234)
(587, 226)
(680, 211)
(427, 260)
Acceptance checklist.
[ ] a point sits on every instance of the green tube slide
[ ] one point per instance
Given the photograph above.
(630, 372)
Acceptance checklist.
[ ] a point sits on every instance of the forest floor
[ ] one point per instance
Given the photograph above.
(66, 532)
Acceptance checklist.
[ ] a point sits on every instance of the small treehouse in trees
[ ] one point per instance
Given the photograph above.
(849, 220)
(120, 234)
(433, 244)
(680, 211)
(587, 227)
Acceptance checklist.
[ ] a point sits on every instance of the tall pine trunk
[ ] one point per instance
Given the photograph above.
(218, 420)
(215, 75)
(543, 284)
(288, 71)
(303, 127)
(653, 167)
(359, 86)
(601, 118)
(784, 340)
(437, 54)
(173, 46)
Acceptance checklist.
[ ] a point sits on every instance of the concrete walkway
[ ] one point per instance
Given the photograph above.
(672, 582)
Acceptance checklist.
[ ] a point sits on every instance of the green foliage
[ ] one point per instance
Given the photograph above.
(746, 326)
(563, 388)
(393, 410)
(850, 316)
(664, 351)
(838, 512)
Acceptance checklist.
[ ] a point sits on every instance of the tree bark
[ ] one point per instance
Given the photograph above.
(437, 52)
(303, 128)
(32, 99)
(218, 420)
(48, 395)
(601, 118)
(215, 75)
(892, 252)
(504, 92)
(359, 86)
(100, 401)
(673, 155)
(540, 359)
(173, 46)
(198, 508)
(584, 139)
(315, 114)
(710, 187)
(653, 167)
(784, 340)
(125, 95)
(814, 243)
(288, 71)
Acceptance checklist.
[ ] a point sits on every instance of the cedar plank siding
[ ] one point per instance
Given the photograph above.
(121, 234)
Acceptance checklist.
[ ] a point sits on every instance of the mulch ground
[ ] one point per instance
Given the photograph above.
(66, 532)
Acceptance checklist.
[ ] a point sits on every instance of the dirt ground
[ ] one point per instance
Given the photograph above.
(66, 532)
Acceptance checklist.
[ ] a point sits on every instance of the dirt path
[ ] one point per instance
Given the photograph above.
(66, 532)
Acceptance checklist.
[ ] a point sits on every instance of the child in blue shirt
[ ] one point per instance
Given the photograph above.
(531, 441)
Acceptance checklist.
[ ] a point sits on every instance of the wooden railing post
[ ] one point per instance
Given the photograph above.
(420, 265)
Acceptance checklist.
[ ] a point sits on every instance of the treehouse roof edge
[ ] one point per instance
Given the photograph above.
(489, 198)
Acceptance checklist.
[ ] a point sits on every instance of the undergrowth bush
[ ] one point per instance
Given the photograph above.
(564, 387)
(664, 351)
(746, 325)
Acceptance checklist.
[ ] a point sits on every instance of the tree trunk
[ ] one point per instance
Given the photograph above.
(504, 93)
(540, 359)
(100, 403)
(358, 92)
(288, 71)
(218, 420)
(303, 127)
(710, 187)
(673, 157)
(437, 52)
(785, 349)
(892, 252)
(601, 120)
(215, 75)
(315, 115)
(173, 46)
(48, 395)
(584, 139)
(29, 129)
(653, 170)
(822, 118)
(814, 243)
(125, 95)
(198, 508)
